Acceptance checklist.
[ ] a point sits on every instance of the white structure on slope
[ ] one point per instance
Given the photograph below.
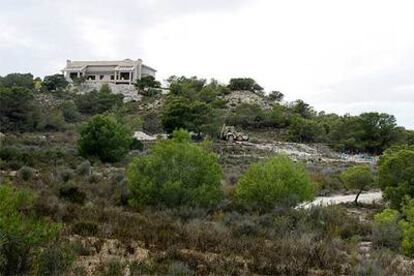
(125, 71)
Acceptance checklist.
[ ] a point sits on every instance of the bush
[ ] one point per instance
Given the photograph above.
(244, 84)
(112, 268)
(26, 173)
(72, 193)
(136, 145)
(18, 110)
(407, 227)
(179, 269)
(22, 233)
(84, 168)
(17, 80)
(105, 138)
(196, 116)
(386, 231)
(70, 112)
(54, 259)
(66, 174)
(396, 174)
(305, 130)
(152, 123)
(54, 120)
(95, 102)
(85, 228)
(55, 82)
(276, 182)
(248, 116)
(176, 172)
(147, 82)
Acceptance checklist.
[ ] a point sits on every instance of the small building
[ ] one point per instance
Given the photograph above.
(125, 71)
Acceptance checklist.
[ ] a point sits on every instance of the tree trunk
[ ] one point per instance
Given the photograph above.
(356, 198)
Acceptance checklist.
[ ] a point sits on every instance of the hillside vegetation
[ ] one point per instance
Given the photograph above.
(81, 195)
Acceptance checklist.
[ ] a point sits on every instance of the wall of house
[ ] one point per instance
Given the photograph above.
(145, 71)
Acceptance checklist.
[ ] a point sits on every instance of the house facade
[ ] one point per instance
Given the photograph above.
(125, 71)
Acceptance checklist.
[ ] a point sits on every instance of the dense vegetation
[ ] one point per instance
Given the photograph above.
(74, 185)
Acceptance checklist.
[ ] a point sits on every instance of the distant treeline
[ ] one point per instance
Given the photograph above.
(198, 105)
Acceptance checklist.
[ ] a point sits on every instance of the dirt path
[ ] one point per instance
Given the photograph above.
(369, 197)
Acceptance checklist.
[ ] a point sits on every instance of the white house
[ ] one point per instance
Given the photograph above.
(125, 71)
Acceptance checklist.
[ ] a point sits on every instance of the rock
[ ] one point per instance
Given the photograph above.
(128, 91)
(142, 136)
(236, 98)
(364, 247)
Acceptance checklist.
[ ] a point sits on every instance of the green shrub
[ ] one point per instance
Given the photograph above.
(192, 115)
(304, 130)
(179, 269)
(176, 172)
(105, 138)
(276, 182)
(407, 227)
(97, 102)
(22, 233)
(17, 80)
(147, 82)
(72, 193)
(54, 82)
(54, 120)
(396, 174)
(244, 84)
(248, 116)
(386, 231)
(18, 110)
(85, 228)
(26, 173)
(84, 168)
(136, 145)
(66, 174)
(70, 111)
(141, 268)
(152, 123)
(112, 268)
(54, 259)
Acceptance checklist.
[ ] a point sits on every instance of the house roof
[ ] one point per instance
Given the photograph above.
(126, 64)
(150, 68)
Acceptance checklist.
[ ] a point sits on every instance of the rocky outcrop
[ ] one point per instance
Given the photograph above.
(235, 98)
(129, 91)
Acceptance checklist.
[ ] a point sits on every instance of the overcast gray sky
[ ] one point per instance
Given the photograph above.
(340, 56)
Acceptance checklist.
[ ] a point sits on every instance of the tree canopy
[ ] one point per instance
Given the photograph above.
(105, 138)
(357, 177)
(396, 174)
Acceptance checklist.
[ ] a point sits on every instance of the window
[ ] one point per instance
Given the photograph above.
(124, 76)
(112, 77)
(91, 78)
(101, 77)
(73, 75)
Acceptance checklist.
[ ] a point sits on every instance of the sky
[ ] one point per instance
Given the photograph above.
(339, 56)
